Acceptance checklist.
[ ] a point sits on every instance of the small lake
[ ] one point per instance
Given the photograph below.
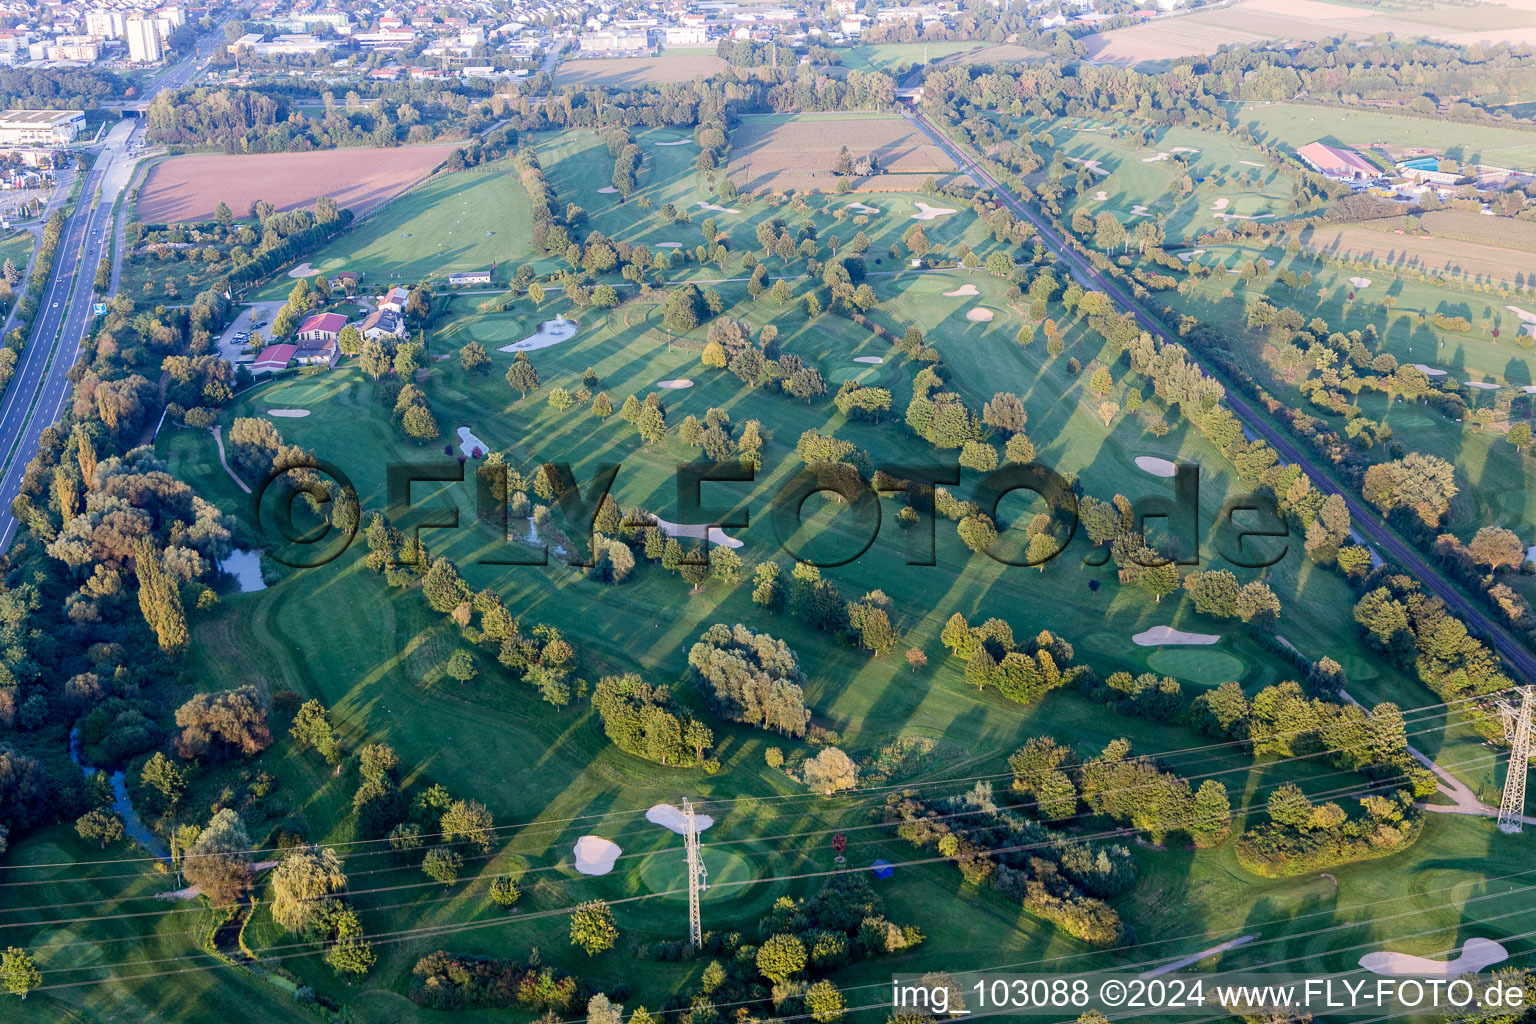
(245, 567)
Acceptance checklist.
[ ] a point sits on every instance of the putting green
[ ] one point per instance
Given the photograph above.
(667, 872)
(1197, 664)
(488, 329)
(862, 372)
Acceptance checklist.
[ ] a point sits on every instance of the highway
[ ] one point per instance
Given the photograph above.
(1517, 657)
(41, 386)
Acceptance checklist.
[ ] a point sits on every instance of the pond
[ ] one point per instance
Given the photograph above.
(245, 567)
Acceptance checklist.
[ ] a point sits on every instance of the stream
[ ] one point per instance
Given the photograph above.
(133, 825)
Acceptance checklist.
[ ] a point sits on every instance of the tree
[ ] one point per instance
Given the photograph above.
(223, 215)
(916, 658)
(312, 727)
(300, 884)
(472, 358)
(592, 927)
(831, 770)
(19, 971)
(442, 864)
(1213, 814)
(469, 820)
(460, 666)
(350, 341)
(504, 892)
(825, 1002)
(522, 376)
(1519, 435)
(781, 957)
(218, 862)
(602, 407)
(100, 825)
(228, 719)
(161, 776)
(1494, 546)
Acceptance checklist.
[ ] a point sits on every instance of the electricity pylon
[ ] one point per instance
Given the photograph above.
(697, 875)
(1517, 730)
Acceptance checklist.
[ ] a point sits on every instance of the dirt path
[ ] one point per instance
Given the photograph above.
(218, 439)
(1195, 958)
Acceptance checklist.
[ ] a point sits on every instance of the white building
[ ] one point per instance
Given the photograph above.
(603, 42)
(143, 40)
(40, 127)
(687, 35)
(106, 24)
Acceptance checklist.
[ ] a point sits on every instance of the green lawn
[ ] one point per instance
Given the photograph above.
(1298, 124)
(375, 656)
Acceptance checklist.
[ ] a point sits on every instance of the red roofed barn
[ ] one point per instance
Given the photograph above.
(1337, 163)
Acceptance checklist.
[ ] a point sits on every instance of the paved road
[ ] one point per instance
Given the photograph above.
(1365, 519)
(41, 386)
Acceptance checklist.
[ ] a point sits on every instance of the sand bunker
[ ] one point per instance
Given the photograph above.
(607, 190)
(871, 360)
(1157, 467)
(296, 414)
(926, 212)
(679, 142)
(1475, 955)
(716, 535)
(1092, 165)
(1139, 211)
(550, 332)
(595, 855)
(302, 270)
(469, 443)
(965, 289)
(1360, 282)
(1523, 314)
(1481, 385)
(1430, 370)
(1100, 196)
(1220, 204)
(1251, 163)
(1159, 635)
(860, 208)
(668, 816)
(1184, 149)
(1191, 254)
(1244, 216)
(1269, 261)
(1154, 159)
(677, 384)
(669, 245)
(979, 315)
(718, 209)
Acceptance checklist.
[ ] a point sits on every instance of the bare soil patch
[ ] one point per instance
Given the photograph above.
(776, 154)
(186, 188)
(1427, 252)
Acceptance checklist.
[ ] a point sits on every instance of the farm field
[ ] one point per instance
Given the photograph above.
(189, 188)
(1298, 124)
(460, 221)
(777, 152)
(884, 56)
(1168, 38)
(1476, 261)
(671, 66)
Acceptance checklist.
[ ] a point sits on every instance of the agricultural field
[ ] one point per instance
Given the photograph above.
(1182, 35)
(1430, 253)
(189, 188)
(1297, 124)
(618, 72)
(885, 56)
(779, 152)
(460, 221)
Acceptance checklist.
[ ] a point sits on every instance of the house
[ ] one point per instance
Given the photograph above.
(321, 327)
(273, 358)
(395, 300)
(382, 322)
(469, 277)
(346, 281)
(1338, 163)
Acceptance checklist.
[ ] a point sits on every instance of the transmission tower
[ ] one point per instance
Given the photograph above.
(698, 877)
(1517, 730)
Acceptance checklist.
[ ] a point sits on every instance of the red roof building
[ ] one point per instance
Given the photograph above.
(273, 358)
(1337, 163)
(321, 327)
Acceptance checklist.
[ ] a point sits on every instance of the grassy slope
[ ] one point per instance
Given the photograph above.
(1297, 125)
